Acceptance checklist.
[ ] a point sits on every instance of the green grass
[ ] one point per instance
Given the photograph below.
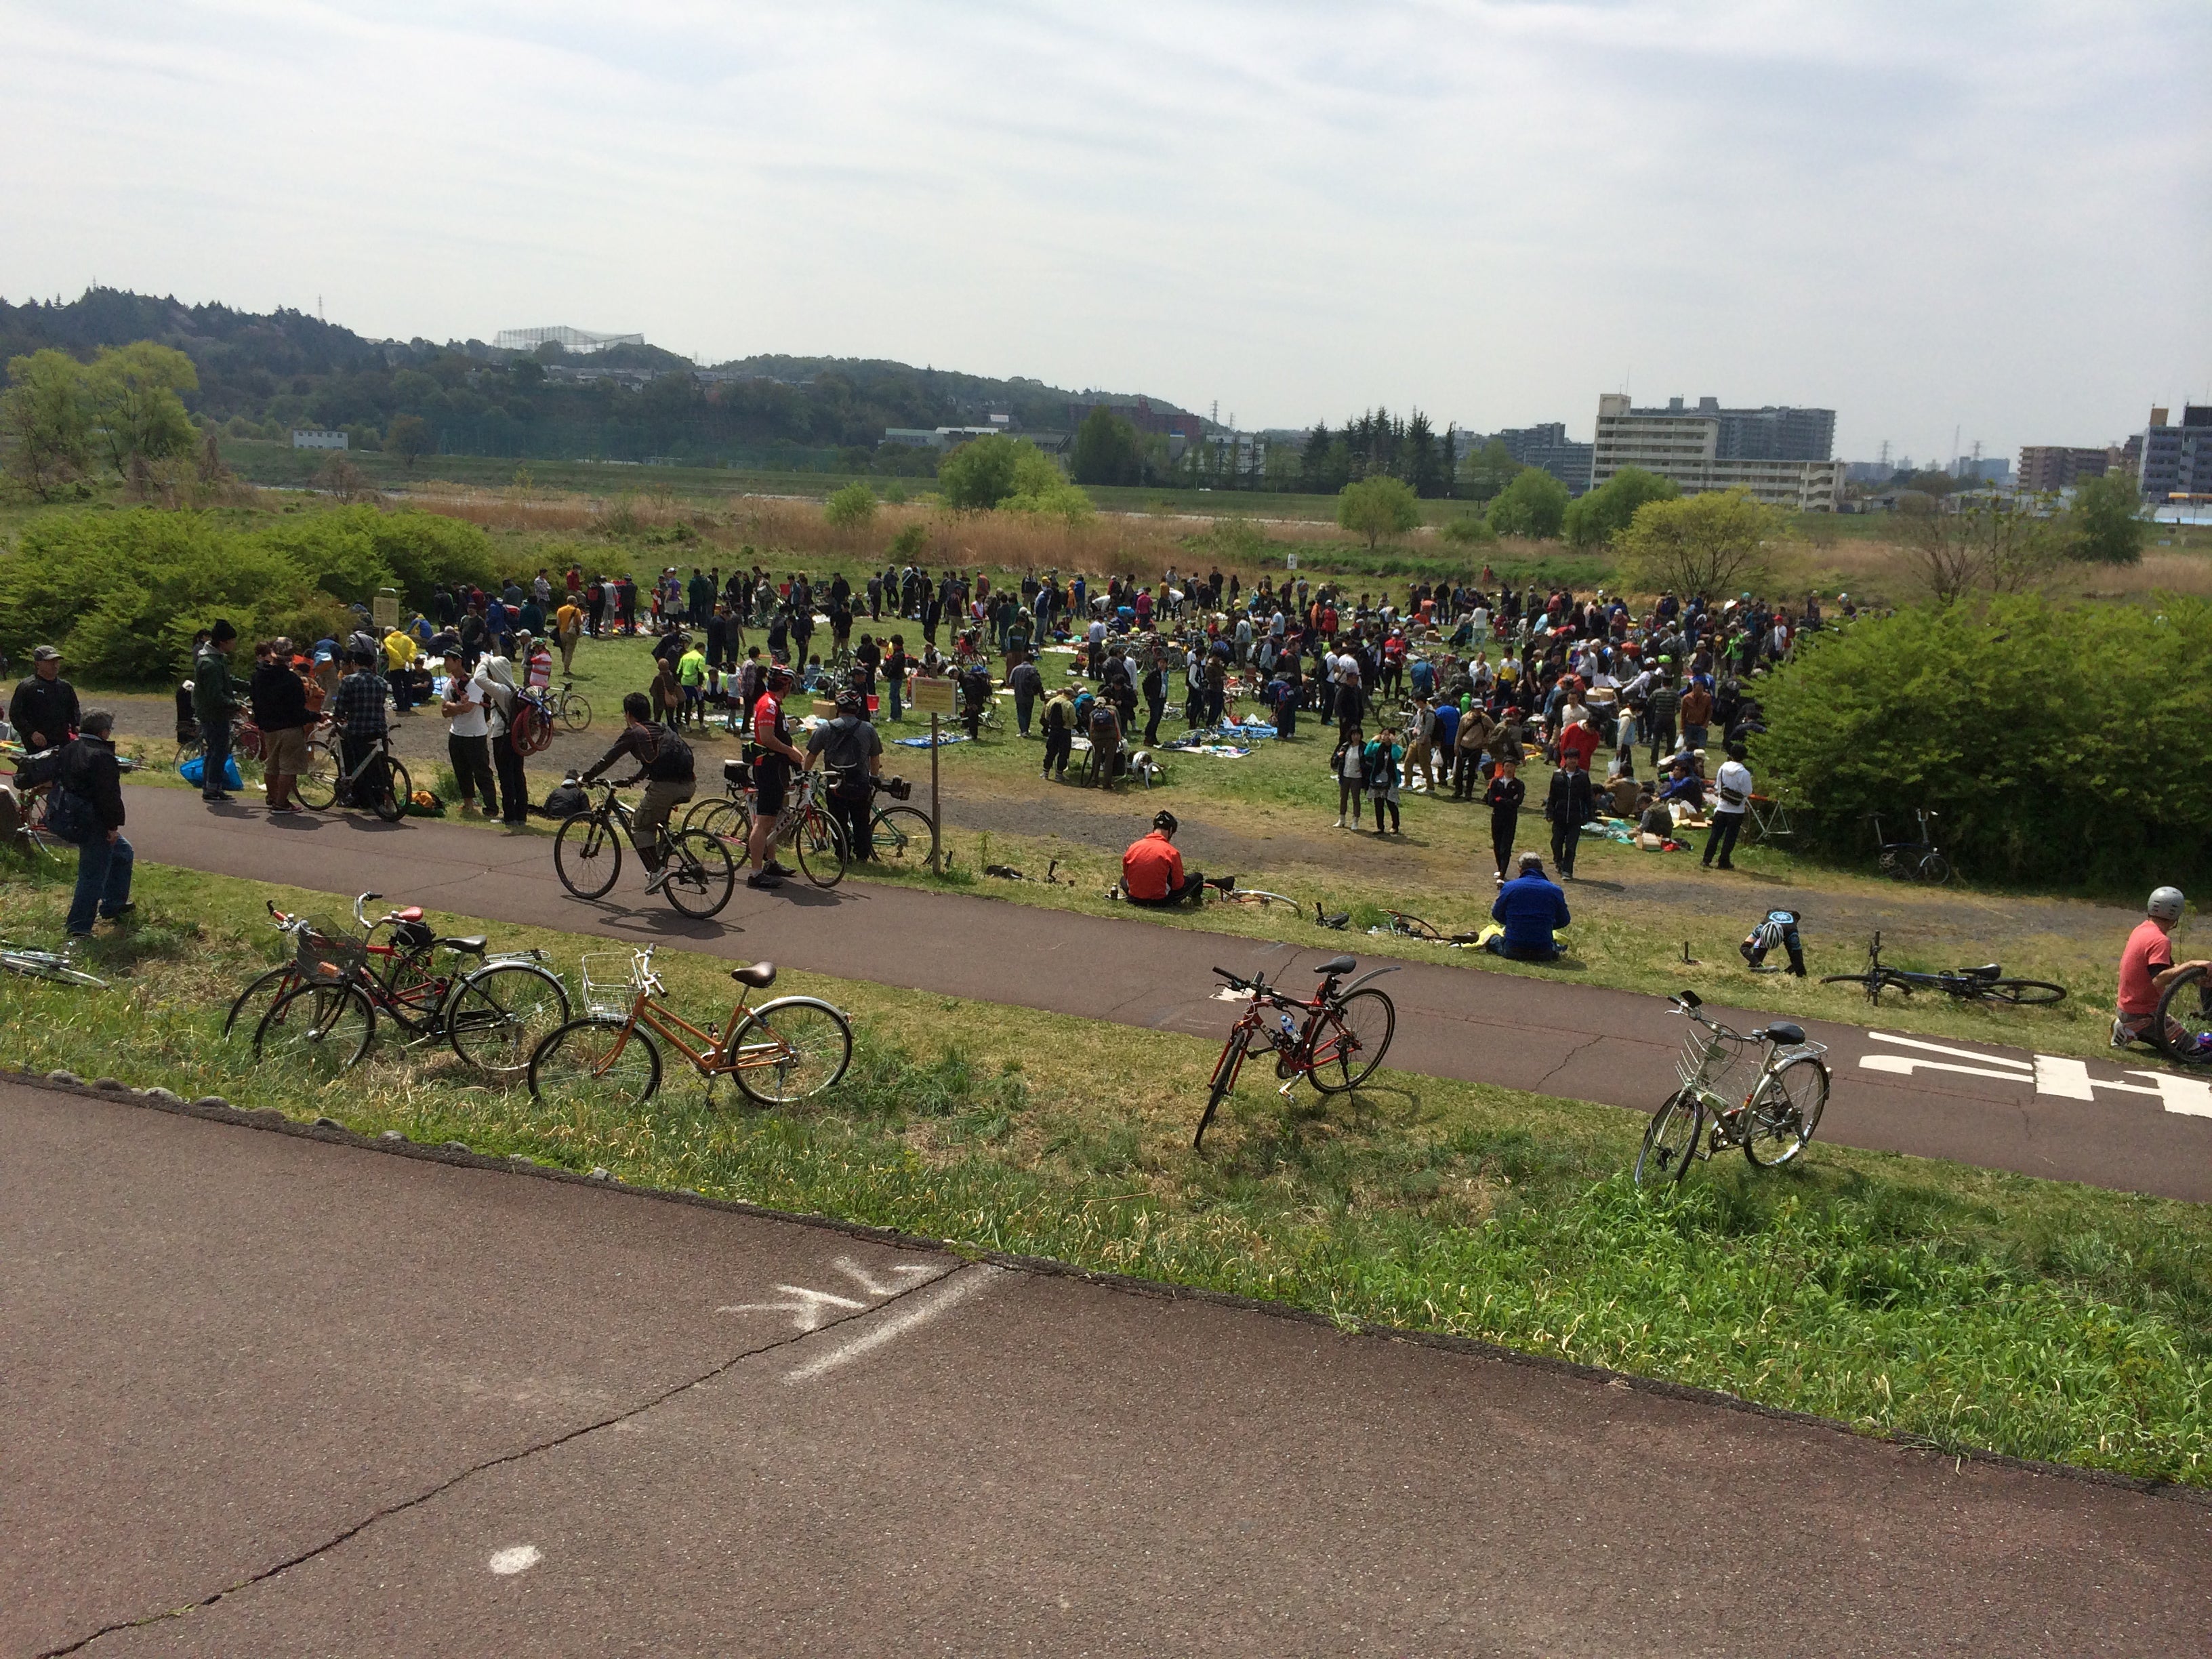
(1959, 1307)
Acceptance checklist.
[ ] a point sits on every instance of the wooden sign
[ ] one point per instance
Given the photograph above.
(384, 608)
(930, 697)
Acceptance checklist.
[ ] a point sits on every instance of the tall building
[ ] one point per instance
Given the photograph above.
(2176, 460)
(1546, 446)
(2047, 467)
(1780, 455)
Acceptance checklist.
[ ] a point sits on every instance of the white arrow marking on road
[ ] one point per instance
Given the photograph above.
(807, 1312)
(2054, 1075)
(860, 1276)
(1906, 1065)
(1974, 1054)
(873, 1333)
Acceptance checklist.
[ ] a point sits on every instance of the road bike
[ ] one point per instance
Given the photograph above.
(1404, 925)
(380, 782)
(1334, 1041)
(1226, 891)
(46, 964)
(1766, 818)
(2183, 1029)
(1983, 984)
(807, 823)
(1772, 1122)
(1912, 860)
(701, 876)
(320, 1009)
(778, 1053)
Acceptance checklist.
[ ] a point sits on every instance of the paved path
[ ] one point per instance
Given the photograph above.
(2145, 1131)
(304, 1396)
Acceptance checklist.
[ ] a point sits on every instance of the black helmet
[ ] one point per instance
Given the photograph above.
(1165, 821)
(849, 701)
(779, 677)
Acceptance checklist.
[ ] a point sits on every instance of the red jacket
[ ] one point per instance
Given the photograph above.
(1151, 868)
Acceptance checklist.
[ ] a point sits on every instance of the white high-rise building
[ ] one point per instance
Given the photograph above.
(1687, 445)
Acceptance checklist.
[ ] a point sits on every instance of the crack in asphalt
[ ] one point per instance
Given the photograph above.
(519, 1455)
(1565, 1061)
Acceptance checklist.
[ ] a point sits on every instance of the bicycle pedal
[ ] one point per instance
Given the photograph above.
(1286, 1090)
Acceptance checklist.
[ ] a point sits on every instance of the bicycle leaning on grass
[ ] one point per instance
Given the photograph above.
(777, 1054)
(1772, 1122)
(1335, 1040)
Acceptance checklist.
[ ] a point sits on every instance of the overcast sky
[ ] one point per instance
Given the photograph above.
(1995, 217)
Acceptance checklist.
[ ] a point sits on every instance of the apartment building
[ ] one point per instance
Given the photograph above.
(1714, 448)
(2047, 467)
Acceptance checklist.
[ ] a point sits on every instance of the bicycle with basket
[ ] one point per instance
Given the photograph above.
(1784, 1083)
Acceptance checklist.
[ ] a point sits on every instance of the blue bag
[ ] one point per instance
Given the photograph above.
(195, 770)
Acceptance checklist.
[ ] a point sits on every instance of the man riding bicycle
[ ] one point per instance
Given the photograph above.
(664, 761)
(1151, 870)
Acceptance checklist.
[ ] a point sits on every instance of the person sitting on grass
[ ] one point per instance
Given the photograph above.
(2146, 970)
(1151, 870)
(1530, 908)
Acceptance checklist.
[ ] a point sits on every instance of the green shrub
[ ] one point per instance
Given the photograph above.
(2058, 745)
(1534, 505)
(1594, 520)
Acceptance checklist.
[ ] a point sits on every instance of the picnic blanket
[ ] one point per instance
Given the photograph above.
(1219, 750)
(943, 738)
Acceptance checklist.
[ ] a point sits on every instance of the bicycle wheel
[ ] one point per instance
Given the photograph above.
(1353, 1037)
(792, 1048)
(575, 710)
(2183, 1030)
(701, 874)
(2021, 992)
(389, 801)
(1670, 1142)
(597, 1058)
(1870, 983)
(1785, 1112)
(319, 1029)
(529, 731)
(900, 835)
(820, 845)
(499, 1013)
(1935, 870)
(1224, 1080)
(317, 786)
(44, 964)
(723, 816)
(256, 999)
(587, 855)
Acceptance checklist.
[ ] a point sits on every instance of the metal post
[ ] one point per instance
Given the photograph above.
(936, 820)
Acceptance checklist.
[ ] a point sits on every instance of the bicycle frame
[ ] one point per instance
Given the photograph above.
(716, 1056)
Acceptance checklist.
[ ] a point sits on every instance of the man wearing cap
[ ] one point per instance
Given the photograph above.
(1530, 908)
(44, 710)
(215, 701)
(468, 738)
(2146, 970)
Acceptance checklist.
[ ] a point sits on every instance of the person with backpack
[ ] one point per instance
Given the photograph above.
(87, 808)
(1059, 722)
(664, 762)
(495, 680)
(468, 738)
(851, 750)
(1104, 730)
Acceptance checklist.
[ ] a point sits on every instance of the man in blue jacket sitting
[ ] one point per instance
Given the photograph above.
(1530, 907)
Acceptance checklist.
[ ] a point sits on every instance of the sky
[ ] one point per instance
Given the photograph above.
(1991, 219)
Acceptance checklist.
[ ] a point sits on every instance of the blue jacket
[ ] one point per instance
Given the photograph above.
(1530, 907)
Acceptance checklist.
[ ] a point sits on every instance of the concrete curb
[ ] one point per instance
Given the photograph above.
(391, 1143)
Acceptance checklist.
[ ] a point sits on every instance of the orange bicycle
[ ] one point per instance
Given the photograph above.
(777, 1054)
(1335, 1042)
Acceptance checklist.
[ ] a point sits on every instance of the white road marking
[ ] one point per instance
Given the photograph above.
(925, 1306)
(807, 1312)
(518, 1559)
(860, 1276)
(2052, 1076)
(1974, 1054)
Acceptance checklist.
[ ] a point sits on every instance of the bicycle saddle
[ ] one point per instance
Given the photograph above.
(473, 945)
(1987, 970)
(413, 912)
(1336, 965)
(760, 975)
(1784, 1031)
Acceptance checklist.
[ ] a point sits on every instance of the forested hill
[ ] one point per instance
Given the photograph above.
(262, 375)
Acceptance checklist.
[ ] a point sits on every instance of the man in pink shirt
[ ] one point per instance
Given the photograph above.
(2146, 970)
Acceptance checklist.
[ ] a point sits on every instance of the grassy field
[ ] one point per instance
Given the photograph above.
(1957, 1307)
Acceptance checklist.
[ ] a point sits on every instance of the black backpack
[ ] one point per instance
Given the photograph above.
(672, 760)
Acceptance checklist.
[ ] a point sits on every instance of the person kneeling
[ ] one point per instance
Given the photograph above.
(1151, 870)
(1530, 908)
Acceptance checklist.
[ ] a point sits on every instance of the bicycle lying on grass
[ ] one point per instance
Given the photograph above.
(1983, 984)
(46, 964)
(1335, 1040)
(1779, 1110)
(1226, 891)
(1403, 926)
(321, 1007)
(778, 1053)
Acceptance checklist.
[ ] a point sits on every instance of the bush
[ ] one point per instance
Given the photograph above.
(852, 508)
(1594, 520)
(2058, 745)
(1534, 505)
(2106, 525)
(1377, 506)
(993, 469)
(1469, 530)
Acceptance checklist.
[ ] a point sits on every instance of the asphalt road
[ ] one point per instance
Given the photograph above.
(276, 1393)
(2138, 1130)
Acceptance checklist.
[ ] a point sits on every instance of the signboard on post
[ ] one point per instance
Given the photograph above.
(930, 696)
(1293, 559)
(384, 607)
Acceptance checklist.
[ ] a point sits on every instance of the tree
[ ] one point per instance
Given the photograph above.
(1488, 470)
(1997, 545)
(136, 412)
(1534, 505)
(1106, 450)
(852, 507)
(1376, 507)
(45, 423)
(408, 438)
(1597, 517)
(978, 476)
(1718, 542)
(2106, 525)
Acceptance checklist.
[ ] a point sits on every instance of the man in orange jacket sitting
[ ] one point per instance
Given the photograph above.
(1151, 870)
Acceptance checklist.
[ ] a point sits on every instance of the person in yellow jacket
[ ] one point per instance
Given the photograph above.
(568, 628)
(399, 653)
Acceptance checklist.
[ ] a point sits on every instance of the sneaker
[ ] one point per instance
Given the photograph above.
(775, 868)
(763, 880)
(2120, 1037)
(658, 879)
(123, 910)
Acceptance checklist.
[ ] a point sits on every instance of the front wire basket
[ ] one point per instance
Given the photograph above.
(612, 980)
(323, 956)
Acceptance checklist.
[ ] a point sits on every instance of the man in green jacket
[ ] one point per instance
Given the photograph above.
(215, 699)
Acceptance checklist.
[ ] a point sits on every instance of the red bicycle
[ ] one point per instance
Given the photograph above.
(1335, 1040)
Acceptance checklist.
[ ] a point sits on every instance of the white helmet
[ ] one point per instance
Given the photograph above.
(2166, 904)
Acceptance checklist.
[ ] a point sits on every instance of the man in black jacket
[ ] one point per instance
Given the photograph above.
(1569, 806)
(89, 771)
(44, 709)
(280, 709)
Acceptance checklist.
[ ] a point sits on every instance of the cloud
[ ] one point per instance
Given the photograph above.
(1988, 215)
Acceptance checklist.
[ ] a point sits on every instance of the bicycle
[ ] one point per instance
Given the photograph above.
(1912, 860)
(1226, 891)
(2183, 1030)
(1335, 1041)
(1983, 984)
(34, 799)
(538, 709)
(1404, 925)
(322, 1006)
(778, 1053)
(46, 964)
(587, 857)
(807, 823)
(1773, 1122)
(380, 782)
(1766, 818)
